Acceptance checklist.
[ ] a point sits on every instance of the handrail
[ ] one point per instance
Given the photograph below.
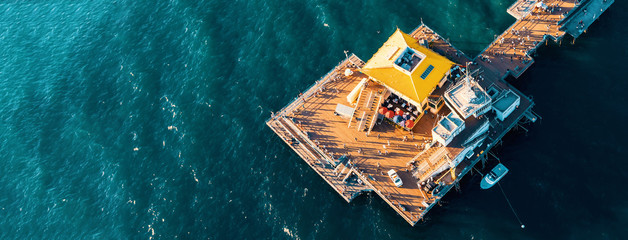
(361, 123)
(288, 131)
(308, 93)
(324, 172)
(308, 141)
(381, 96)
(394, 206)
(570, 14)
(357, 104)
(442, 38)
(368, 102)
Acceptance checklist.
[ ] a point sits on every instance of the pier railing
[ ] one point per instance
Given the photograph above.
(466, 57)
(312, 158)
(354, 62)
(412, 219)
(582, 4)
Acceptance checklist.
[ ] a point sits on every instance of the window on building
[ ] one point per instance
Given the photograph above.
(408, 60)
(427, 72)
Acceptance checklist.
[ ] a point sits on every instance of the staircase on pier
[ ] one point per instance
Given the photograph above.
(365, 113)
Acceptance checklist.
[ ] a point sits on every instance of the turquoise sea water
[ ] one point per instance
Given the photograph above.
(145, 119)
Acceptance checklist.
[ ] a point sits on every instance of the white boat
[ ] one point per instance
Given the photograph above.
(497, 173)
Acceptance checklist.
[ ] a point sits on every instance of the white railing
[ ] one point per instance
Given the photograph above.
(311, 90)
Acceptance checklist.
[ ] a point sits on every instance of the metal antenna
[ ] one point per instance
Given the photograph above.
(466, 78)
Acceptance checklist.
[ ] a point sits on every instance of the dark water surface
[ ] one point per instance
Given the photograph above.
(145, 119)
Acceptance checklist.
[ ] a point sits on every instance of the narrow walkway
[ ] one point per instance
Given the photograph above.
(510, 52)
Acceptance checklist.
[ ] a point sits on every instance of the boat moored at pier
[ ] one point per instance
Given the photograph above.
(492, 177)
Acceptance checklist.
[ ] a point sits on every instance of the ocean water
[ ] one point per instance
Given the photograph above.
(145, 120)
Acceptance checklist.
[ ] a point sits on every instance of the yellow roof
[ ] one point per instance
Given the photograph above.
(382, 67)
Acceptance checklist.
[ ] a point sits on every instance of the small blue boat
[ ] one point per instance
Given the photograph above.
(497, 173)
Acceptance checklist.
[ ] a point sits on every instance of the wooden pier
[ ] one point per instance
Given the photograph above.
(353, 155)
(510, 53)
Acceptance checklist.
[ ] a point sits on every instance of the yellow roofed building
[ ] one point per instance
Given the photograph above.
(407, 69)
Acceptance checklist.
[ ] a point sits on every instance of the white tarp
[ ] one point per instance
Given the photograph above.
(353, 95)
(541, 5)
(344, 111)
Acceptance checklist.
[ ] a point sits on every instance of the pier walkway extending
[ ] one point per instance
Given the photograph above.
(510, 53)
